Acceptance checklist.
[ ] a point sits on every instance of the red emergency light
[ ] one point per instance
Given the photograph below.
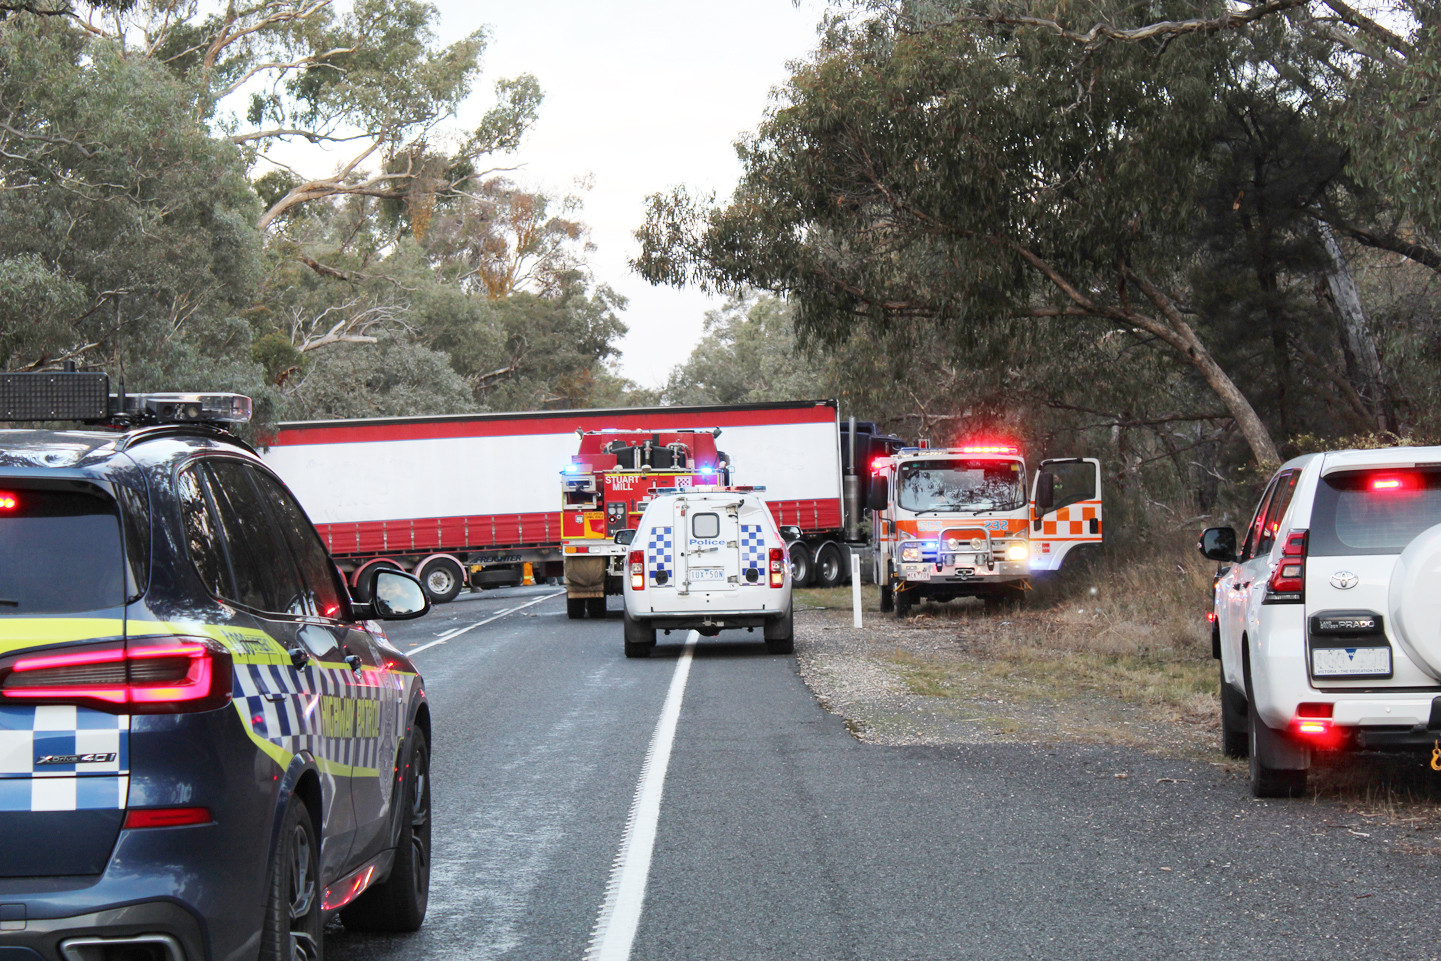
(1393, 482)
(990, 449)
(8, 501)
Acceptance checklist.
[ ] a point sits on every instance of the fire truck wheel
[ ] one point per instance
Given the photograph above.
(888, 603)
(575, 608)
(904, 599)
(780, 634)
(830, 565)
(595, 607)
(639, 639)
(802, 565)
(442, 578)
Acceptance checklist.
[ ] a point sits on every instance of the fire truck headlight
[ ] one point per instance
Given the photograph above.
(1018, 552)
(910, 552)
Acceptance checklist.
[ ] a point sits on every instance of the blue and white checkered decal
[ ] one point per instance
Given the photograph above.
(659, 553)
(30, 736)
(753, 554)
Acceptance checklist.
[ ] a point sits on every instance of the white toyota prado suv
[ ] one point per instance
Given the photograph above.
(1328, 613)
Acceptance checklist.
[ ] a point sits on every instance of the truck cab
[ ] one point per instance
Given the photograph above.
(958, 522)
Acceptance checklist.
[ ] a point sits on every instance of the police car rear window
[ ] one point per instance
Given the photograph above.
(1373, 512)
(60, 552)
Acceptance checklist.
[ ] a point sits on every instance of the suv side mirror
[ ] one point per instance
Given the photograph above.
(1218, 544)
(397, 596)
(624, 537)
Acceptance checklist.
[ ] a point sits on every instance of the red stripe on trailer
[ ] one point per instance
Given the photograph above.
(480, 531)
(504, 426)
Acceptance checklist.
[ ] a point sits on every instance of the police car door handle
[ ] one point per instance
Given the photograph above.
(354, 661)
(298, 656)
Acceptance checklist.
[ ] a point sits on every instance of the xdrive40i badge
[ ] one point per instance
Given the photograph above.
(75, 759)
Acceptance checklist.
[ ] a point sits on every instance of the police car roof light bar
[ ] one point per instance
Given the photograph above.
(55, 396)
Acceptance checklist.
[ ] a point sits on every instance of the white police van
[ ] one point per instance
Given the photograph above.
(707, 559)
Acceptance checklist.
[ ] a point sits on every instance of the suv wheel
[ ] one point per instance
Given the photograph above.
(1235, 724)
(293, 922)
(1266, 779)
(398, 903)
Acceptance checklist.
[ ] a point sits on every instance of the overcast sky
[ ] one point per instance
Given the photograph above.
(641, 95)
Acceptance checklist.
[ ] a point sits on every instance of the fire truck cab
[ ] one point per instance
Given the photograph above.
(605, 489)
(957, 522)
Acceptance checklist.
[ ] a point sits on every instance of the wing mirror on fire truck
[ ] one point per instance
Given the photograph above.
(1218, 544)
(880, 493)
(625, 537)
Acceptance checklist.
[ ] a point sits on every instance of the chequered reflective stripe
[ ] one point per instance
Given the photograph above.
(753, 552)
(34, 741)
(332, 714)
(1072, 522)
(659, 552)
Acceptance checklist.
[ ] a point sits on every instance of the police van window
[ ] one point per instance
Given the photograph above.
(202, 535)
(264, 577)
(705, 526)
(60, 552)
(316, 569)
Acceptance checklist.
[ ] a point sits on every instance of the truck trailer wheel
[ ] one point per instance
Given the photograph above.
(830, 565)
(803, 565)
(442, 577)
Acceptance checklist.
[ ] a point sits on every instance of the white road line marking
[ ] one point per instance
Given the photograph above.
(615, 928)
(494, 617)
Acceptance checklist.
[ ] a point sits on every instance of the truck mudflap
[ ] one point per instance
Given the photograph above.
(585, 576)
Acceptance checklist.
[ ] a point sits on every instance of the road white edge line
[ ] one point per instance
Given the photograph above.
(494, 617)
(615, 928)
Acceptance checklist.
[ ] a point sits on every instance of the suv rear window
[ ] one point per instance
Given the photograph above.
(60, 552)
(1373, 512)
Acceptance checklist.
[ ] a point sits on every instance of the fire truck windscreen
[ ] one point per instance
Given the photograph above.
(962, 485)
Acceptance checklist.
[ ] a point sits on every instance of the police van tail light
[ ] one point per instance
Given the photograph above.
(167, 675)
(1288, 581)
(637, 570)
(778, 567)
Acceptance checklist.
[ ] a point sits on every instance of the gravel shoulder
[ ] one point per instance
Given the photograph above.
(1050, 674)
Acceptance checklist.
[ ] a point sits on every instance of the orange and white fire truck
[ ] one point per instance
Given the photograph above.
(956, 522)
(606, 488)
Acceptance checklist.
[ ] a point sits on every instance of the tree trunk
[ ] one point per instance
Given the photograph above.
(1356, 337)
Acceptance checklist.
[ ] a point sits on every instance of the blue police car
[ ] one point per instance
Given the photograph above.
(206, 746)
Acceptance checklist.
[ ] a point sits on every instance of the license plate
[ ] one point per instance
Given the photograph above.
(707, 573)
(1350, 661)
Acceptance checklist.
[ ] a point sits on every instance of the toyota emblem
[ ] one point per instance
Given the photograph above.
(1344, 580)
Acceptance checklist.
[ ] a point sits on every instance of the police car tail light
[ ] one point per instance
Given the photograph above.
(1288, 580)
(637, 570)
(778, 567)
(146, 676)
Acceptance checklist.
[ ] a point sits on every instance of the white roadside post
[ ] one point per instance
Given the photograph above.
(855, 589)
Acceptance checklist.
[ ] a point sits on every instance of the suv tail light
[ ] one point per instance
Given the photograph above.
(167, 675)
(637, 570)
(1288, 581)
(778, 567)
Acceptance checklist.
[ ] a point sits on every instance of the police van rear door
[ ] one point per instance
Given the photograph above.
(709, 544)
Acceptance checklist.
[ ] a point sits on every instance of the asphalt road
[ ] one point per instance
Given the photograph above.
(780, 836)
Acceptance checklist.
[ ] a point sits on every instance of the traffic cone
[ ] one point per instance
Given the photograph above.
(528, 576)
